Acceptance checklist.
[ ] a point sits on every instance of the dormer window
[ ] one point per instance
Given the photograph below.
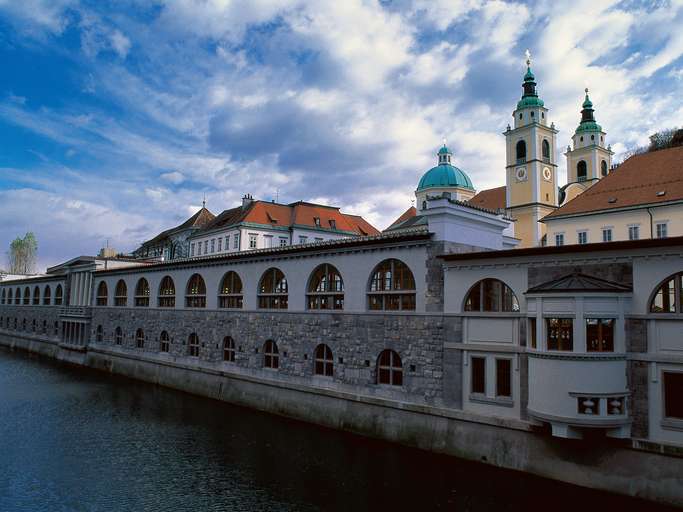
(316, 221)
(333, 224)
(272, 219)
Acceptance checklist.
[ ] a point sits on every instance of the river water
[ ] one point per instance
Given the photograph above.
(77, 440)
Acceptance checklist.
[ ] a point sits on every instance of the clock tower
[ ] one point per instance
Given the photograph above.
(531, 166)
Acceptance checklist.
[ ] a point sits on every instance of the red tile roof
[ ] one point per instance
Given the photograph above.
(648, 178)
(200, 220)
(490, 199)
(408, 214)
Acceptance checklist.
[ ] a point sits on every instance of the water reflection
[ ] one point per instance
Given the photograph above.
(76, 440)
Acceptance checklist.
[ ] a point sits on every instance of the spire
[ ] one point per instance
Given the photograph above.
(204, 202)
(530, 96)
(587, 116)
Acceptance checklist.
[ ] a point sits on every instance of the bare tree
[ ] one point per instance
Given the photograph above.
(22, 254)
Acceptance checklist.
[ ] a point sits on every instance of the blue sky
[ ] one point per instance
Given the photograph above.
(117, 117)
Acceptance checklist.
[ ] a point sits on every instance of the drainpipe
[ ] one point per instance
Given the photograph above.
(651, 222)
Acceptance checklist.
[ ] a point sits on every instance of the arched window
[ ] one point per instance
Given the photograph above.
(102, 294)
(603, 168)
(545, 145)
(669, 296)
(324, 362)
(167, 293)
(272, 290)
(140, 338)
(142, 293)
(17, 296)
(230, 292)
(228, 349)
(325, 288)
(46, 296)
(27, 296)
(118, 336)
(581, 171)
(271, 356)
(521, 152)
(9, 296)
(195, 294)
(193, 345)
(389, 368)
(58, 295)
(23, 324)
(36, 296)
(121, 294)
(99, 333)
(491, 295)
(392, 287)
(164, 342)
(4, 295)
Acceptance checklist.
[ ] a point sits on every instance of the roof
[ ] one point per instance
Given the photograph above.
(408, 214)
(490, 199)
(199, 220)
(445, 175)
(645, 179)
(577, 282)
(301, 214)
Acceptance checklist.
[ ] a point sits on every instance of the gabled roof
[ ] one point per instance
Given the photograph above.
(649, 178)
(408, 214)
(490, 199)
(199, 220)
(577, 282)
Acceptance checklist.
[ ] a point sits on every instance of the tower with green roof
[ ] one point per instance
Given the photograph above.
(531, 165)
(590, 159)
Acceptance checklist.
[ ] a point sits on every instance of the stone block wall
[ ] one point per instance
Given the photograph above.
(637, 375)
(35, 320)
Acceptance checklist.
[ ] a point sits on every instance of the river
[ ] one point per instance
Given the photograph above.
(77, 440)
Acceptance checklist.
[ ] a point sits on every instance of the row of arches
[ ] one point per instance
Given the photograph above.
(12, 323)
(582, 170)
(391, 287)
(25, 297)
(521, 153)
(388, 365)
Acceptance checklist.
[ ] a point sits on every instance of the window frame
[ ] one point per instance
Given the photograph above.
(121, 294)
(166, 299)
(193, 345)
(232, 299)
(323, 361)
(675, 295)
(385, 289)
(608, 343)
(139, 338)
(393, 371)
(193, 296)
(102, 298)
(665, 410)
(562, 329)
(331, 297)
(273, 298)
(142, 293)
(164, 342)
(229, 349)
(504, 296)
(271, 355)
(504, 384)
(477, 380)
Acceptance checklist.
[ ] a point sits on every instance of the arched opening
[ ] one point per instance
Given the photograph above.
(27, 296)
(545, 145)
(230, 292)
(491, 295)
(4, 294)
(167, 293)
(9, 296)
(668, 297)
(121, 294)
(36, 296)
(46, 296)
(140, 338)
(58, 295)
(603, 168)
(581, 171)
(392, 287)
(228, 349)
(142, 293)
(193, 345)
(271, 355)
(324, 361)
(195, 293)
(99, 334)
(389, 368)
(17, 296)
(118, 336)
(272, 290)
(325, 288)
(102, 294)
(521, 152)
(164, 342)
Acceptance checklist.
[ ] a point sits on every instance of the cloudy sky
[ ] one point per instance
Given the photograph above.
(116, 118)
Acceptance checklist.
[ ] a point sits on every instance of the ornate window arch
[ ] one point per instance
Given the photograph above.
(195, 292)
(325, 288)
(391, 287)
(193, 345)
(27, 296)
(491, 295)
(164, 342)
(142, 293)
(102, 294)
(140, 338)
(668, 296)
(121, 294)
(324, 361)
(389, 368)
(36, 295)
(520, 151)
(228, 349)
(273, 290)
(581, 171)
(271, 355)
(230, 291)
(47, 295)
(166, 293)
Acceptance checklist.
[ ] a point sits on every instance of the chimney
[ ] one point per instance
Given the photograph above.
(246, 201)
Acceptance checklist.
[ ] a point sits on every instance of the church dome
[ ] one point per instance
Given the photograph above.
(445, 174)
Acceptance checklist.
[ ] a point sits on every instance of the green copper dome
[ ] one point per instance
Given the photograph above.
(530, 101)
(445, 175)
(529, 76)
(530, 96)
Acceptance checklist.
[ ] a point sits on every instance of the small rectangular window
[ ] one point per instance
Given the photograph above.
(559, 239)
(252, 241)
(316, 221)
(479, 375)
(333, 224)
(213, 245)
(220, 244)
(503, 377)
(633, 233)
(532, 332)
(199, 249)
(236, 241)
(600, 334)
(191, 249)
(283, 242)
(607, 235)
(303, 239)
(673, 391)
(583, 237)
(227, 242)
(560, 334)
(661, 230)
(206, 247)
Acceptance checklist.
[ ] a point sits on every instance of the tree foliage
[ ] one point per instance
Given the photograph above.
(22, 254)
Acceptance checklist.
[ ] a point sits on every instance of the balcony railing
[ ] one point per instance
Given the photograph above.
(75, 311)
(600, 406)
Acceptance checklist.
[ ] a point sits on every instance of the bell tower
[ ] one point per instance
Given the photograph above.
(531, 166)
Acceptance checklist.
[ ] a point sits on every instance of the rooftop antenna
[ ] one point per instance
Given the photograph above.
(204, 201)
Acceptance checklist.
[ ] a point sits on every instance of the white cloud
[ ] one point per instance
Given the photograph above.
(174, 177)
(120, 43)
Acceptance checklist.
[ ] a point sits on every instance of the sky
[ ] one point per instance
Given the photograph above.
(118, 117)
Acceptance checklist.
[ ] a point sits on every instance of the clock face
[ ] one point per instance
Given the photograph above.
(521, 173)
(547, 175)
